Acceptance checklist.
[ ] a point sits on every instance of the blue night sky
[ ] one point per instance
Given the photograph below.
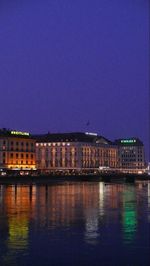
(64, 63)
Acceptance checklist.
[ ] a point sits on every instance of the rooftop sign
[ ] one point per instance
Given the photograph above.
(19, 133)
(91, 134)
(128, 141)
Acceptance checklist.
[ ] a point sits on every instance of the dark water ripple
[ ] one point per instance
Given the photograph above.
(80, 223)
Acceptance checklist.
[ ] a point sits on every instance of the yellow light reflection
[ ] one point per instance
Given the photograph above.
(18, 233)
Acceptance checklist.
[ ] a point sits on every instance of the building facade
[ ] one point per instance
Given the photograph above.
(17, 150)
(69, 153)
(74, 152)
(131, 157)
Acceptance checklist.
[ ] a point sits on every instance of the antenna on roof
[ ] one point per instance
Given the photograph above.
(88, 123)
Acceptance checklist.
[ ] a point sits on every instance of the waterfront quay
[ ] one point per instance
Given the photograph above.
(72, 154)
(60, 180)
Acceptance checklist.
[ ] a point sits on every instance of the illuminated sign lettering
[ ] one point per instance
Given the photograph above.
(20, 133)
(128, 141)
(91, 134)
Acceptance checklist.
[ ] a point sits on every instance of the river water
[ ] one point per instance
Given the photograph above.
(75, 223)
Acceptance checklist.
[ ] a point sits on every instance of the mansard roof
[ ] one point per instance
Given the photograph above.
(72, 137)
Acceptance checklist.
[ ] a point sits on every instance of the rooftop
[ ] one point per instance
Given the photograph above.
(13, 133)
(129, 142)
(72, 137)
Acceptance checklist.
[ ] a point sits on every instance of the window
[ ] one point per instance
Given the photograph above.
(16, 155)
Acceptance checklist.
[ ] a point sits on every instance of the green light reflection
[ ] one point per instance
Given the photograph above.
(129, 216)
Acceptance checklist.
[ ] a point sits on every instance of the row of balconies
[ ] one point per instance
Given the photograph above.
(17, 150)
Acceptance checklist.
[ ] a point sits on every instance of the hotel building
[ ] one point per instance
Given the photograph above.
(17, 150)
(131, 157)
(79, 152)
(69, 153)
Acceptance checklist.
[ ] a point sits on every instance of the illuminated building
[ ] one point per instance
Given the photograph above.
(17, 150)
(69, 153)
(74, 151)
(131, 158)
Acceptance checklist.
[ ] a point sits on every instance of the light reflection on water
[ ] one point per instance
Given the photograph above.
(129, 215)
(84, 214)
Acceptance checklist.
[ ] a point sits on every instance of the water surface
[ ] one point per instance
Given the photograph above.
(75, 223)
